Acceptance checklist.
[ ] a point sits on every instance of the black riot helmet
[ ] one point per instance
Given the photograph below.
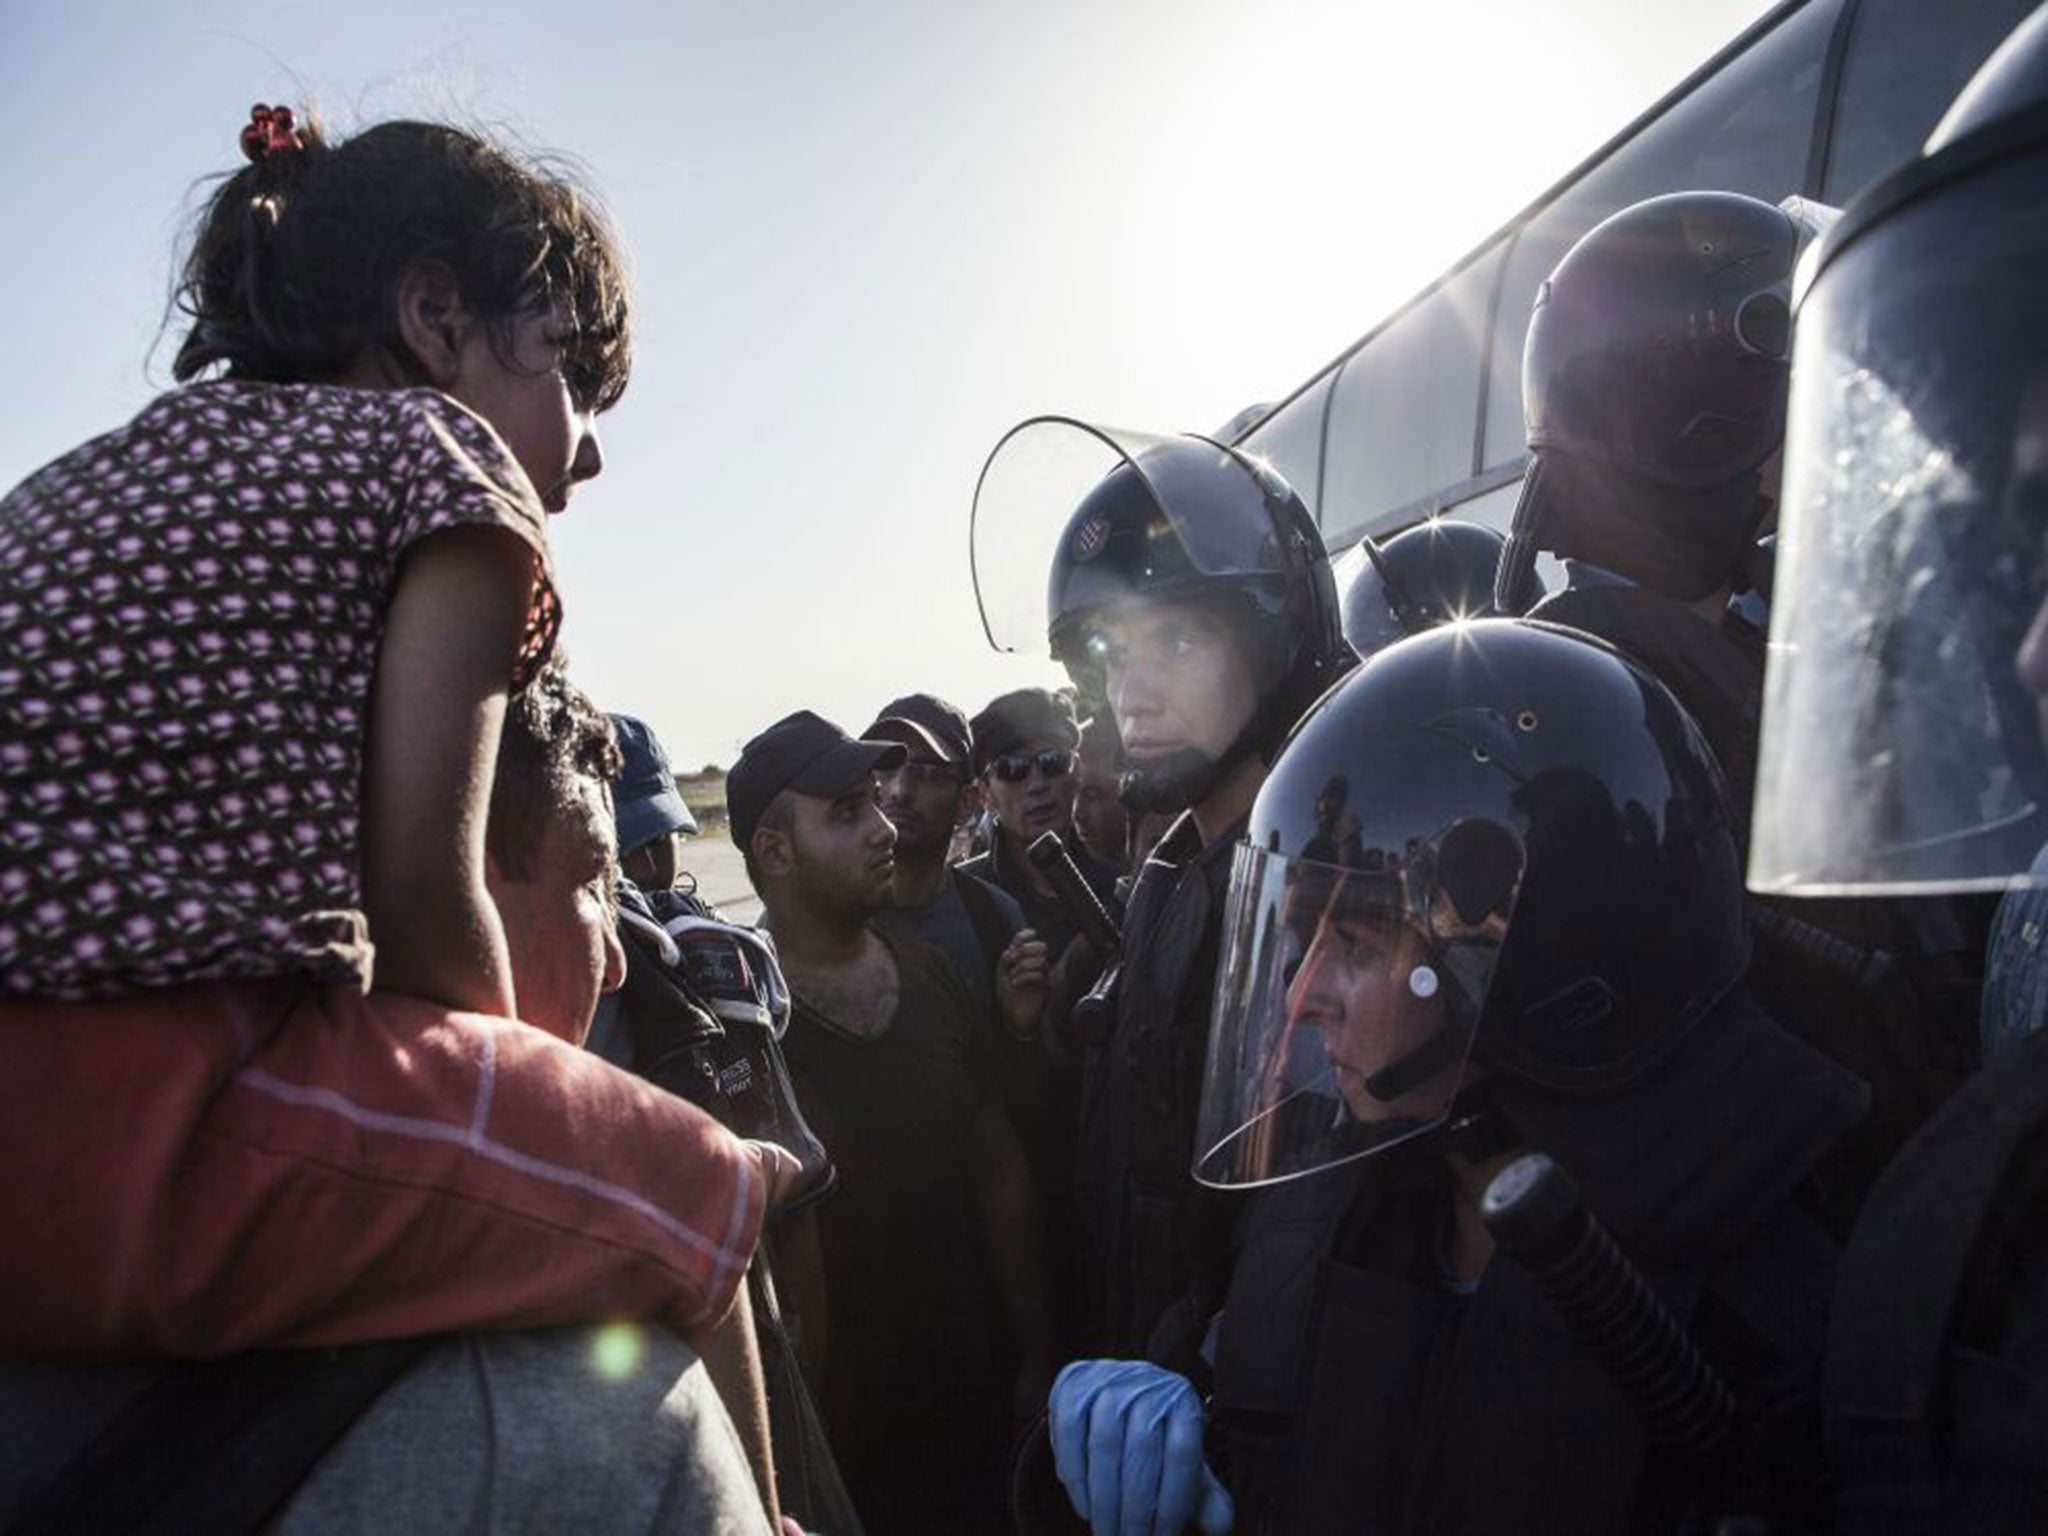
(1653, 390)
(1909, 653)
(1438, 572)
(1532, 869)
(1117, 520)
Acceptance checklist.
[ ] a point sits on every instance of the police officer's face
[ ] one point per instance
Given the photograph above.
(1366, 984)
(1176, 681)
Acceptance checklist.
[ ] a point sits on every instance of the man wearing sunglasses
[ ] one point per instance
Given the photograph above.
(1025, 746)
(974, 924)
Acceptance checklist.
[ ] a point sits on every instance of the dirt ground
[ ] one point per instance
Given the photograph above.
(721, 876)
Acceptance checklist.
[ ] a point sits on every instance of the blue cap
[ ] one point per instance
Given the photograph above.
(644, 800)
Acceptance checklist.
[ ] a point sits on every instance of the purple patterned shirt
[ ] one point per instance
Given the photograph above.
(190, 613)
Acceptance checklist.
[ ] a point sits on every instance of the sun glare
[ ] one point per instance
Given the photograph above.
(617, 1350)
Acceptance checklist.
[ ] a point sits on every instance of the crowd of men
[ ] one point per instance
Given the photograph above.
(1435, 952)
(1356, 988)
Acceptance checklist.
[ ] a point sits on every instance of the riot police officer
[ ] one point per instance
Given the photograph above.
(1533, 939)
(1653, 389)
(1440, 571)
(1906, 696)
(1654, 385)
(1190, 594)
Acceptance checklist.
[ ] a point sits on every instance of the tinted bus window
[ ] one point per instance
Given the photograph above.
(1748, 129)
(1495, 509)
(1291, 440)
(1404, 407)
(1906, 61)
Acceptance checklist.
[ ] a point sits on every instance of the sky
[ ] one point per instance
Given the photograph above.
(867, 237)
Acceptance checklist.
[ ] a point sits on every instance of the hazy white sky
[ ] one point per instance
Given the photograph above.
(868, 236)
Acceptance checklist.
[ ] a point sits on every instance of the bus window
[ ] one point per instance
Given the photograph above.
(1747, 129)
(1494, 509)
(1291, 440)
(1404, 406)
(1905, 63)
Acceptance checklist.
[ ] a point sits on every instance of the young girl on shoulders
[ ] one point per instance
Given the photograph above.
(259, 1082)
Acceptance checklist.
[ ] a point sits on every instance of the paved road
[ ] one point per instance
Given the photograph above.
(721, 875)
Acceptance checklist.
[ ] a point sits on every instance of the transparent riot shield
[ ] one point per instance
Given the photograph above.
(1901, 747)
(1070, 518)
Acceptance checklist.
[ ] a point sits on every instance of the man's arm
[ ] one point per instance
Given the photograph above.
(732, 1358)
(800, 1259)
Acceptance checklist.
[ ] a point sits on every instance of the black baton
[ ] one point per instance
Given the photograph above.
(1084, 909)
(1535, 1214)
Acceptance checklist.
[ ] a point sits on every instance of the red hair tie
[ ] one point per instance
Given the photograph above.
(270, 129)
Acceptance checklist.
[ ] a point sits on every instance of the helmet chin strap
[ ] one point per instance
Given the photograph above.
(1172, 783)
(1404, 1074)
(1515, 578)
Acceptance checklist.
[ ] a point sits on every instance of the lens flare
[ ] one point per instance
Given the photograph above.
(616, 1352)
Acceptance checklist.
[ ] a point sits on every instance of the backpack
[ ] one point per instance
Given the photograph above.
(705, 1005)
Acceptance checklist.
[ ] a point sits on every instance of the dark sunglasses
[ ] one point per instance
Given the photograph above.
(1015, 767)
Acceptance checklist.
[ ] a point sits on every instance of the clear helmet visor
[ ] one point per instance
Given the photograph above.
(1069, 516)
(1901, 746)
(1348, 992)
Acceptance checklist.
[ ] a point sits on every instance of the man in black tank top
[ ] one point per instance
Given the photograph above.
(929, 1247)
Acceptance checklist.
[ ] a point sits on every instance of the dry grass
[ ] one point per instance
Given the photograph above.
(704, 794)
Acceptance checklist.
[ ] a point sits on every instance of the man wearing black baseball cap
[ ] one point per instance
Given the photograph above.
(804, 754)
(973, 923)
(898, 1077)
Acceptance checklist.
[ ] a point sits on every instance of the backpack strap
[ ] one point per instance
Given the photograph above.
(217, 1445)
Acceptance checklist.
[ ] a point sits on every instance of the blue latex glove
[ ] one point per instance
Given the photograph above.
(1127, 1442)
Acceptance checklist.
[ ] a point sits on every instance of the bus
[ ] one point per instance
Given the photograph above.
(1422, 416)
